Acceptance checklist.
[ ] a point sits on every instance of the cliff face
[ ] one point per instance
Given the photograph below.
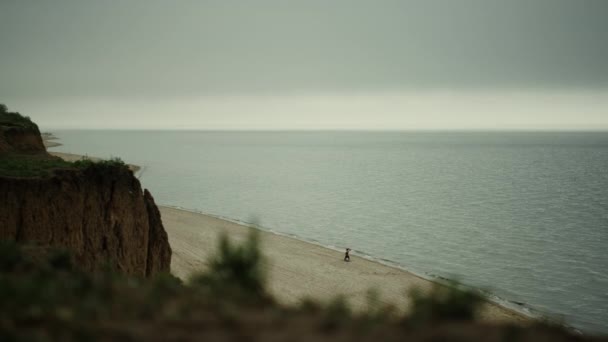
(102, 216)
(159, 251)
(21, 140)
(99, 212)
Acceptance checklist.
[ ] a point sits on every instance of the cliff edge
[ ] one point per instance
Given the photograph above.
(98, 211)
(18, 134)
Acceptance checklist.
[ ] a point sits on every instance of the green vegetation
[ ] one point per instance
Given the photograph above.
(43, 286)
(100, 165)
(236, 271)
(38, 284)
(45, 296)
(444, 302)
(14, 119)
(15, 165)
(27, 166)
(42, 291)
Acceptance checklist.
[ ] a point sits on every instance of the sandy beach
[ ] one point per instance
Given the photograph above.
(297, 269)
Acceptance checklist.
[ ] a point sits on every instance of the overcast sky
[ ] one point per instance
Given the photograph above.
(464, 64)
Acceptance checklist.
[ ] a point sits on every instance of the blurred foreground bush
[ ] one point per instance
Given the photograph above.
(45, 297)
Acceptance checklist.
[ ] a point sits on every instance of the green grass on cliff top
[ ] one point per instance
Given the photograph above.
(14, 119)
(15, 165)
(31, 166)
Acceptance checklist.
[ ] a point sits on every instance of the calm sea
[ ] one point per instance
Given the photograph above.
(524, 215)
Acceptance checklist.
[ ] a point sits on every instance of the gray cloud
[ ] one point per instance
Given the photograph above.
(382, 64)
(141, 48)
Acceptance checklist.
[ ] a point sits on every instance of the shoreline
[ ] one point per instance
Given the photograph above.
(293, 280)
(300, 269)
(515, 307)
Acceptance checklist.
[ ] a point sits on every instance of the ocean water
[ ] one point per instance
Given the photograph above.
(523, 215)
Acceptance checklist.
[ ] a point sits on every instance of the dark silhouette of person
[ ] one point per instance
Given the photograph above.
(347, 255)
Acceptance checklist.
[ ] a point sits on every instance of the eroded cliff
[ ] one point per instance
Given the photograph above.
(18, 134)
(98, 211)
(20, 139)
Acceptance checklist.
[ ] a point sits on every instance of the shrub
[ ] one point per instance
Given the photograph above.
(444, 302)
(101, 165)
(236, 270)
(336, 313)
(378, 311)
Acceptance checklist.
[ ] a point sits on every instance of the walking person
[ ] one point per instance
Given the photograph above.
(347, 255)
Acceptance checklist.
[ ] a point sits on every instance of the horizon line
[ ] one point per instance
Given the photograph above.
(405, 130)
